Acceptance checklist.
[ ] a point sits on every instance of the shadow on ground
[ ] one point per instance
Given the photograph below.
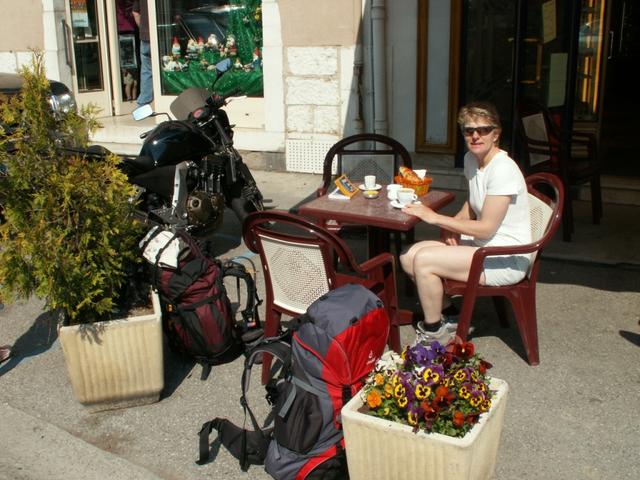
(35, 341)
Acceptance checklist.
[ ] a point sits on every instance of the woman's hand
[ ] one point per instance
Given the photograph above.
(423, 212)
(450, 238)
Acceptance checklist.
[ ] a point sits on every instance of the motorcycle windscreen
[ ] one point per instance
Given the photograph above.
(159, 180)
(189, 100)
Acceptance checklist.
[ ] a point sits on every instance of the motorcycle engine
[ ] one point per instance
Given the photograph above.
(205, 210)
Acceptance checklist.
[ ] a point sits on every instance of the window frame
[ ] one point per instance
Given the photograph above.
(422, 75)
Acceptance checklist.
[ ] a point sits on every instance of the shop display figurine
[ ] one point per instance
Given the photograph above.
(212, 42)
(130, 85)
(175, 48)
(229, 49)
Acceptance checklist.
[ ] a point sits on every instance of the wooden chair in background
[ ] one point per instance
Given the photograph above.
(574, 158)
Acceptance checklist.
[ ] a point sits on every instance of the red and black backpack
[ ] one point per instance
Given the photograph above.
(320, 363)
(197, 315)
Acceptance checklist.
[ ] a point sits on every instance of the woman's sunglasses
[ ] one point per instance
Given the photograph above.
(486, 130)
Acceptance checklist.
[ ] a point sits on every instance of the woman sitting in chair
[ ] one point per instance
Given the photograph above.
(496, 213)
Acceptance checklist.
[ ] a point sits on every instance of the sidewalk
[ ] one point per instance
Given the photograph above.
(572, 417)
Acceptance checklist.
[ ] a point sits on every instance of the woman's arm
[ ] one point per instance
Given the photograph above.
(493, 212)
(453, 238)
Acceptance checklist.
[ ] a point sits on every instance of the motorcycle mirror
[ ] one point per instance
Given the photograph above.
(142, 112)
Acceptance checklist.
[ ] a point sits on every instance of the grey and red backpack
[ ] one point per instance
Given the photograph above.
(319, 364)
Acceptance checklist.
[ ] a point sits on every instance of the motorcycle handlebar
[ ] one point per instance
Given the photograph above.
(217, 101)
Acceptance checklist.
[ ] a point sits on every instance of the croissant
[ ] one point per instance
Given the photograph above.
(409, 174)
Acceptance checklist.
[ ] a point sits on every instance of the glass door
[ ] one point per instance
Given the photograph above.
(124, 45)
(87, 46)
(515, 50)
(621, 96)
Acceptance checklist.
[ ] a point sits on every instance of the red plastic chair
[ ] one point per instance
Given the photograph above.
(359, 155)
(546, 213)
(298, 262)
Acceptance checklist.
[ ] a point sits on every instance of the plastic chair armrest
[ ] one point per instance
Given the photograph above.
(377, 262)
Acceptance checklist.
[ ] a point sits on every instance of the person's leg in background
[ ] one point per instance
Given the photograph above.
(5, 350)
(146, 79)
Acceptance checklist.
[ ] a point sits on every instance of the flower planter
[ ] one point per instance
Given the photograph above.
(378, 448)
(117, 363)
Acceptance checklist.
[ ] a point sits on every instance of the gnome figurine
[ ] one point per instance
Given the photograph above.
(200, 45)
(175, 48)
(212, 42)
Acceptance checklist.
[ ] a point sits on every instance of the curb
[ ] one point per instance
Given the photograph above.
(34, 449)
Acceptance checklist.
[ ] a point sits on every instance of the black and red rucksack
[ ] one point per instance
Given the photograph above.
(197, 315)
(320, 363)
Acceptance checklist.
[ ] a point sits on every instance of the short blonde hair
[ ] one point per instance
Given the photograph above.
(485, 110)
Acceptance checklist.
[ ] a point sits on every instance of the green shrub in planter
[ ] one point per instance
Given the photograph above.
(70, 236)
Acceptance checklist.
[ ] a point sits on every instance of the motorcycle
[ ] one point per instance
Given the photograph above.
(187, 170)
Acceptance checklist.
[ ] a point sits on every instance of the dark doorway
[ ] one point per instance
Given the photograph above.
(512, 50)
(620, 119)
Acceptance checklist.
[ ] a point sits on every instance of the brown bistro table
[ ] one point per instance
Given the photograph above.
(377, 214)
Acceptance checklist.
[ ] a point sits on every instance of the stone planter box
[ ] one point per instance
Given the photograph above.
(118, 363)
(378, 448)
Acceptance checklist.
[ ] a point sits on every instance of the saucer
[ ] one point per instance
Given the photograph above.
(362, 187)
(396, 204)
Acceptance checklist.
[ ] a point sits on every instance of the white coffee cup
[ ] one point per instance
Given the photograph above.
(370, 182)
(406, 196)
(392, 191)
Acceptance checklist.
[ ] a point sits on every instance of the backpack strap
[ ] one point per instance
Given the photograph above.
(250, 447)
(250, 315)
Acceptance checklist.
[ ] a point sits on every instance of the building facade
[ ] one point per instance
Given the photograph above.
(315, 72)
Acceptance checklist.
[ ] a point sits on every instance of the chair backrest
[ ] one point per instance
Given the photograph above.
(540, 143)
(545, 210)
(364, 154)
(297, 257)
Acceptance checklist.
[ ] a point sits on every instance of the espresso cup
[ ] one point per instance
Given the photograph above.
(406, 196)
(392, 191)
(369, 182)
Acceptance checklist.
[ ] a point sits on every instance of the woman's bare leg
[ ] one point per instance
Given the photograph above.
(427, 263)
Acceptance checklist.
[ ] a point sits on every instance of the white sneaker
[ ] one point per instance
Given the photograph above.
(443, 335)
(450, 322)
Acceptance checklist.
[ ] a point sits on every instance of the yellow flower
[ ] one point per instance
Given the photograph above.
(378, 379)
(399, 391)
(412, 418)
(464, 392)
(485, 405)
(460, 375)
(402, 401)
(475, 401)
(422, 391)
(388, 390)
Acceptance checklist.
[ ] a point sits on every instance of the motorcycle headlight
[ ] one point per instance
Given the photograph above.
(63, 103)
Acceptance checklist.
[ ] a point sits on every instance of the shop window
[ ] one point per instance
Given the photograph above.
(210, 44)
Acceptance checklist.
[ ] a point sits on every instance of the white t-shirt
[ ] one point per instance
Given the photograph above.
(501, 176)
